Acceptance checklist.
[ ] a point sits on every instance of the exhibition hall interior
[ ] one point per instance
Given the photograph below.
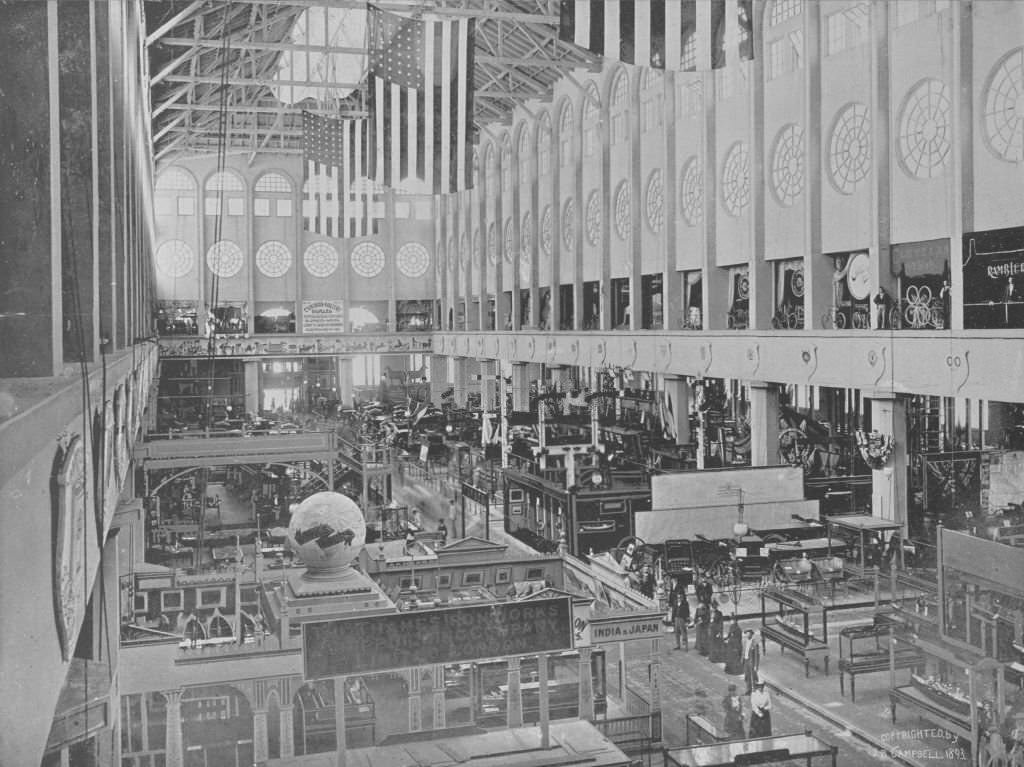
(623, 383)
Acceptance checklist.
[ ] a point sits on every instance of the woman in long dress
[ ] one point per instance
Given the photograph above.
(733, 705)
(734, 649)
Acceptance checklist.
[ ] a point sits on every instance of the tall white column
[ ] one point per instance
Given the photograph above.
(514, 703)
(173, 729)
(440, 710)
(764, 423)
(345, 389)
(889, 483)
(677, 407)
(521, 386)
(260, 744)
(252, 386)
(415, 714)
(287, 732)
(340, 755)
(586, 686)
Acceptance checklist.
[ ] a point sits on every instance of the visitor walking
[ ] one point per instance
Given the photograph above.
(760, 712)
(733, 705)
(751, 659)
(679, 613)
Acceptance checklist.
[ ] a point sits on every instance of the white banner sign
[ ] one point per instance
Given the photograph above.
(323, 317)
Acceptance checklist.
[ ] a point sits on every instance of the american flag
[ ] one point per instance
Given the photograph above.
(681, 35)
(338, 199)
(421, 101)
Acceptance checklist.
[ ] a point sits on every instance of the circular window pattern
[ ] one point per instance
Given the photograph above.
(320, 259)
(175, 258)
(526, 235)
(593, 222)
(224, 258)
(545, 231)
(367, 259)
(849, 149)
(492, 243)
(655, 201)
(788, 164)
(691, 192)
(925, 130)
(1004, 108)
(273, 259)
(569, 224)
(623, 220)
(736, 179)
(508, 238)
(412, 260)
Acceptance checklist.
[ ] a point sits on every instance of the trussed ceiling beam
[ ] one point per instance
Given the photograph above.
(258, 82)
(174, 21)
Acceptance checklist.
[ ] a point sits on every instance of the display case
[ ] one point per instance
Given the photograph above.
(487, 682)
(864, 649)
(790, 625)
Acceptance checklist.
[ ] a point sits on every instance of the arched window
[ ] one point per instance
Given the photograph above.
(525, 154)
(566, 129)
(544, 144)
(506, 162)
(784, 38)
(652, 98)
(225, 185)
(175, 193)
(591, 119)
(273, 196)
(619, 110)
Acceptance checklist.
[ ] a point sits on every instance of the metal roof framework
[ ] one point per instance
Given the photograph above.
(214, 65)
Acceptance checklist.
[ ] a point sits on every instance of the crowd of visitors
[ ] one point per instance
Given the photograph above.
(738, 650)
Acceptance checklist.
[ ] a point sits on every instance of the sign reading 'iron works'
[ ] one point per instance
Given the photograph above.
(420, 638)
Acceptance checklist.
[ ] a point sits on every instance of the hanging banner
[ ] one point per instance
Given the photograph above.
(323, 317)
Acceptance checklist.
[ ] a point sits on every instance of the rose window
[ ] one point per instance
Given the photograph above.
(320, 259)
(273, 259)
(736, 179)
(691, 192)
(367, 259)
(788, 164)
(655, 201)
(412, 260)
(224, 258)
(593, 219)
(545, 231)
(623, 219)
(175, 258)
(849, 150)
(569, 224)
(1003, 112)
(925, 131)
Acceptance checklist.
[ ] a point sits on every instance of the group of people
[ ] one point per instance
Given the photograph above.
(739, 650)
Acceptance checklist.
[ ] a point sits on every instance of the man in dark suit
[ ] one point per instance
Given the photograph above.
(751, 658)
(679, 612)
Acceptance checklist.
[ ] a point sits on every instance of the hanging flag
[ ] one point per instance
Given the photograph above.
(338, 199)
(421, 101)
(680, 35)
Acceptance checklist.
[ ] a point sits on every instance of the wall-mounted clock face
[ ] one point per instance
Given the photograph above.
(858, 276)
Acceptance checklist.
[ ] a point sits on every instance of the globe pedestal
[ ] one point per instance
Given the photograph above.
(327, 531)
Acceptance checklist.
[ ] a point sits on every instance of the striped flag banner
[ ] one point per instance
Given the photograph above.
(420, 97)
(338, 199)
(680, 35)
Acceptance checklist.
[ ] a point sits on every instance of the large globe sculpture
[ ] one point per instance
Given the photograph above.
(327, 531)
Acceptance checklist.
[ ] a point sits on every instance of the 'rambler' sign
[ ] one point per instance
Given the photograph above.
(620, 630)
(323, 317)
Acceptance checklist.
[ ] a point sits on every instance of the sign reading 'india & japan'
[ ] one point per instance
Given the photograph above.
(424, 637)
(621, 630)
